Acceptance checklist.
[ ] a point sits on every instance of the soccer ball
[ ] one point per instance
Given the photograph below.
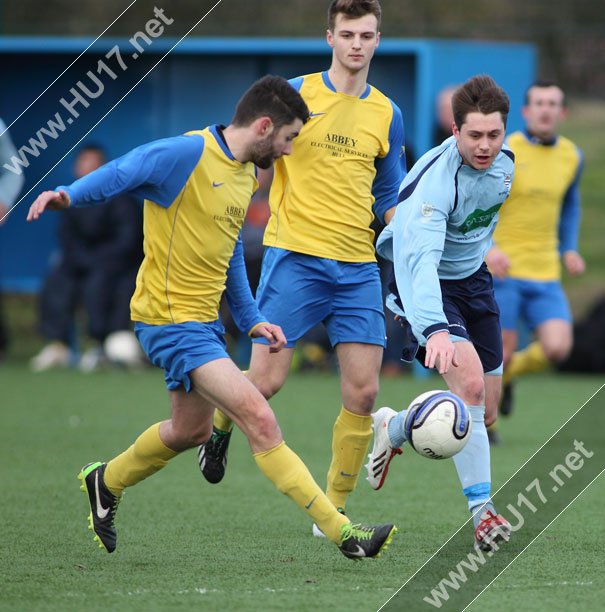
(438, 424)
(123, 348)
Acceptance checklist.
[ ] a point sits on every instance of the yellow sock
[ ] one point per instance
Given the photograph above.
(284, 468)
(222, 421)
(530, 359)
(145, 457)
(350, 439)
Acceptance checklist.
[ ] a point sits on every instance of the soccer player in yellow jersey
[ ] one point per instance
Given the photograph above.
(319, 264)
(196, 189)
(538, 228)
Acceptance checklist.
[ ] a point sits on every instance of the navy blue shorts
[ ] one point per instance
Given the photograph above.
(472, 313)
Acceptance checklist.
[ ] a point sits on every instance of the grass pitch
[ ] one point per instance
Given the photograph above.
(184, 544)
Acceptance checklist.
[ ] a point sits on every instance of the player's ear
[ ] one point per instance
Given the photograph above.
(564, 110)
(330, 38)
(264, 126)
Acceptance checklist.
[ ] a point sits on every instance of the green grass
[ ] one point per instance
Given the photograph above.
(184, 544)
(585, 127)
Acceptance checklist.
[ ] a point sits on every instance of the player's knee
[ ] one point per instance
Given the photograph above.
(194, 436)
(367, 397)
(269, 387)
(268, 382)
(360, 398)
(557, 352)
(473, 390)
(263, 429)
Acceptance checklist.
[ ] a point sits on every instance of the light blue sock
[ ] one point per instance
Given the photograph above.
(395, 429)
(473, 462)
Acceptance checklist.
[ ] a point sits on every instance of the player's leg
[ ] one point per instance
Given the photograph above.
(547, 312)
(473, 461)
(287, 296)
(189, 425)
(556, 338)
(493, 392)
(359, 373)
(178, 349)
(221, 383)
(268, 372)
(509, 297)
(356, 328)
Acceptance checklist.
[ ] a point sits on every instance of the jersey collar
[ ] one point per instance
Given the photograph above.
(536, 140)
(217, 131)
(330, 86)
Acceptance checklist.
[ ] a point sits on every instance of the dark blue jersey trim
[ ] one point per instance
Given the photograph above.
(217, 131)
(330, 86)
(409, 189)
(509, 153)
(456, 188)
(431, 329)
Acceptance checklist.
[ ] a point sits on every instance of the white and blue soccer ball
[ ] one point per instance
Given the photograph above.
(438, 424)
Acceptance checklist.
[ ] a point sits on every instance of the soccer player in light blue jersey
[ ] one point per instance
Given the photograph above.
(443, 292)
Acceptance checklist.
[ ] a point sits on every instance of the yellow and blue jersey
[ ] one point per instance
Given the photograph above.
(196, 195)
(541, 217)
(346, 166)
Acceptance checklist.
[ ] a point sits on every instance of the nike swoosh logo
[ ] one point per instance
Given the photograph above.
(217, 184)
(357, 553)
(316, 114)
(101, 512)
(348, 475)
(310, 503)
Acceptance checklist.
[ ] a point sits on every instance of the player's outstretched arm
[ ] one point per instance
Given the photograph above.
(51, 200)
(272, 333)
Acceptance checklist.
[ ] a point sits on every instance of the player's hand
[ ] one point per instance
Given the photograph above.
(272, 333)
(51, 200)
(497, 262)
(440, 352)
(574, 263)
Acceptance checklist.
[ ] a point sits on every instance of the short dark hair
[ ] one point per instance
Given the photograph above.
(92, 147)
(272, 96)
(543, 84)
(479, 94)
(353, 9)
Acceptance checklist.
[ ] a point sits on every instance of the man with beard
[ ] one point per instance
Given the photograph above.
(196, 189)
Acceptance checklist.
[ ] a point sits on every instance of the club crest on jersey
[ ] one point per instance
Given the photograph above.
(507, 185)
(427, 209)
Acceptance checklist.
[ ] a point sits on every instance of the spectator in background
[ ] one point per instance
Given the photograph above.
(538, 229)
(96, 265)
(10, 186)
(444, 115)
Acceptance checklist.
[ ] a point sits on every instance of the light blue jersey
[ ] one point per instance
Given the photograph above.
(442, 228)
